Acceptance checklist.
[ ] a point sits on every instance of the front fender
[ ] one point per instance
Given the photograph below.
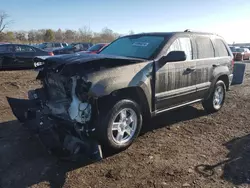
(107, 86)
(141, 79)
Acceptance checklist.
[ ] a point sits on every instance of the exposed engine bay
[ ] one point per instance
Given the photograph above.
(60, 113)
(64, 100)
(64, 111)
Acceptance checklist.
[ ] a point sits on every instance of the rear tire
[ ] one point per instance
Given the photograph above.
(120, 126)
(216, 100)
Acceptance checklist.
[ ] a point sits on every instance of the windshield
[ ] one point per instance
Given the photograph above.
(134, 46)
(96, 47)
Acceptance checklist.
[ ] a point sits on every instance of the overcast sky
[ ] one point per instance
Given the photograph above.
(231, 19)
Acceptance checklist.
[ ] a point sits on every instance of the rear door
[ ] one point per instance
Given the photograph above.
(205, 59)
(211, 54)
(176, 81)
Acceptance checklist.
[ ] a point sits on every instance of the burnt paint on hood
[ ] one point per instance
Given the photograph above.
(70, 64)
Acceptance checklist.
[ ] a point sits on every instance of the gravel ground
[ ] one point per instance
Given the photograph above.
(183, 148)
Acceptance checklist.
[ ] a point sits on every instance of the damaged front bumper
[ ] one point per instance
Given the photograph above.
(62, 137)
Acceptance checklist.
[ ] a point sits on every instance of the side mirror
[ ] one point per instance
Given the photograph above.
(174, 56)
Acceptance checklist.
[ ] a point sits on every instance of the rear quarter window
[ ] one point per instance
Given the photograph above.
(220, 48)
(205, 47)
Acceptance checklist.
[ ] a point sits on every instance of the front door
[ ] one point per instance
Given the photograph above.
(176, 81)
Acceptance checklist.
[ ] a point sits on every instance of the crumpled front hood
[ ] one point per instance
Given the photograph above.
(79, 61)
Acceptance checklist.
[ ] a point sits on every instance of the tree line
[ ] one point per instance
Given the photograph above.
(49, 35)
(84, 34)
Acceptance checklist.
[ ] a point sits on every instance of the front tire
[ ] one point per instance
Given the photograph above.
(120, 126)
(216, 100)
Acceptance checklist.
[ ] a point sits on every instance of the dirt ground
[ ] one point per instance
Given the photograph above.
(183, 148)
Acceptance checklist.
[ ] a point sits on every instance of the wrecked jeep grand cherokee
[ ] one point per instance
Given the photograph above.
(105, 98)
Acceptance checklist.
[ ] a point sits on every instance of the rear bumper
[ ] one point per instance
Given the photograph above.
(230, 77)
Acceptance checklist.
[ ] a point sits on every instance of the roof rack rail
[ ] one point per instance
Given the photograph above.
(188, 30)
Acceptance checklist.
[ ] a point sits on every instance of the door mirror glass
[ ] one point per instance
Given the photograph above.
(174, 56)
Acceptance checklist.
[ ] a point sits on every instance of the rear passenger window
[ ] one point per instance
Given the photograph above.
(204, 47)
(182, 44)
(220, 48)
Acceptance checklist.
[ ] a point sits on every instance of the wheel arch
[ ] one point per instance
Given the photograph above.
(135, 93)
(223, 77)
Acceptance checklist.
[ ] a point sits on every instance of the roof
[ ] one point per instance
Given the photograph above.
(17, 44)
(172, 33)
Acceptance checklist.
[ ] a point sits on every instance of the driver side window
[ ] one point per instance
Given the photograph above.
(182, 44)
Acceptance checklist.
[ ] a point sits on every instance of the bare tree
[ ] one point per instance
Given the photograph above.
(85, 34)
(4, 23)
(59, 35)
(31, 36)
(20, 35)
(107, 35)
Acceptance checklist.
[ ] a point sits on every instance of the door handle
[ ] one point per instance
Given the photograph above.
(216, 65)
(190, 69)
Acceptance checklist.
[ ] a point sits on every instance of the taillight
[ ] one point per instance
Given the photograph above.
(51, 53)
(232, 63)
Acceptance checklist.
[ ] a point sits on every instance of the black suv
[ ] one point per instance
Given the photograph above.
(107, 97)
